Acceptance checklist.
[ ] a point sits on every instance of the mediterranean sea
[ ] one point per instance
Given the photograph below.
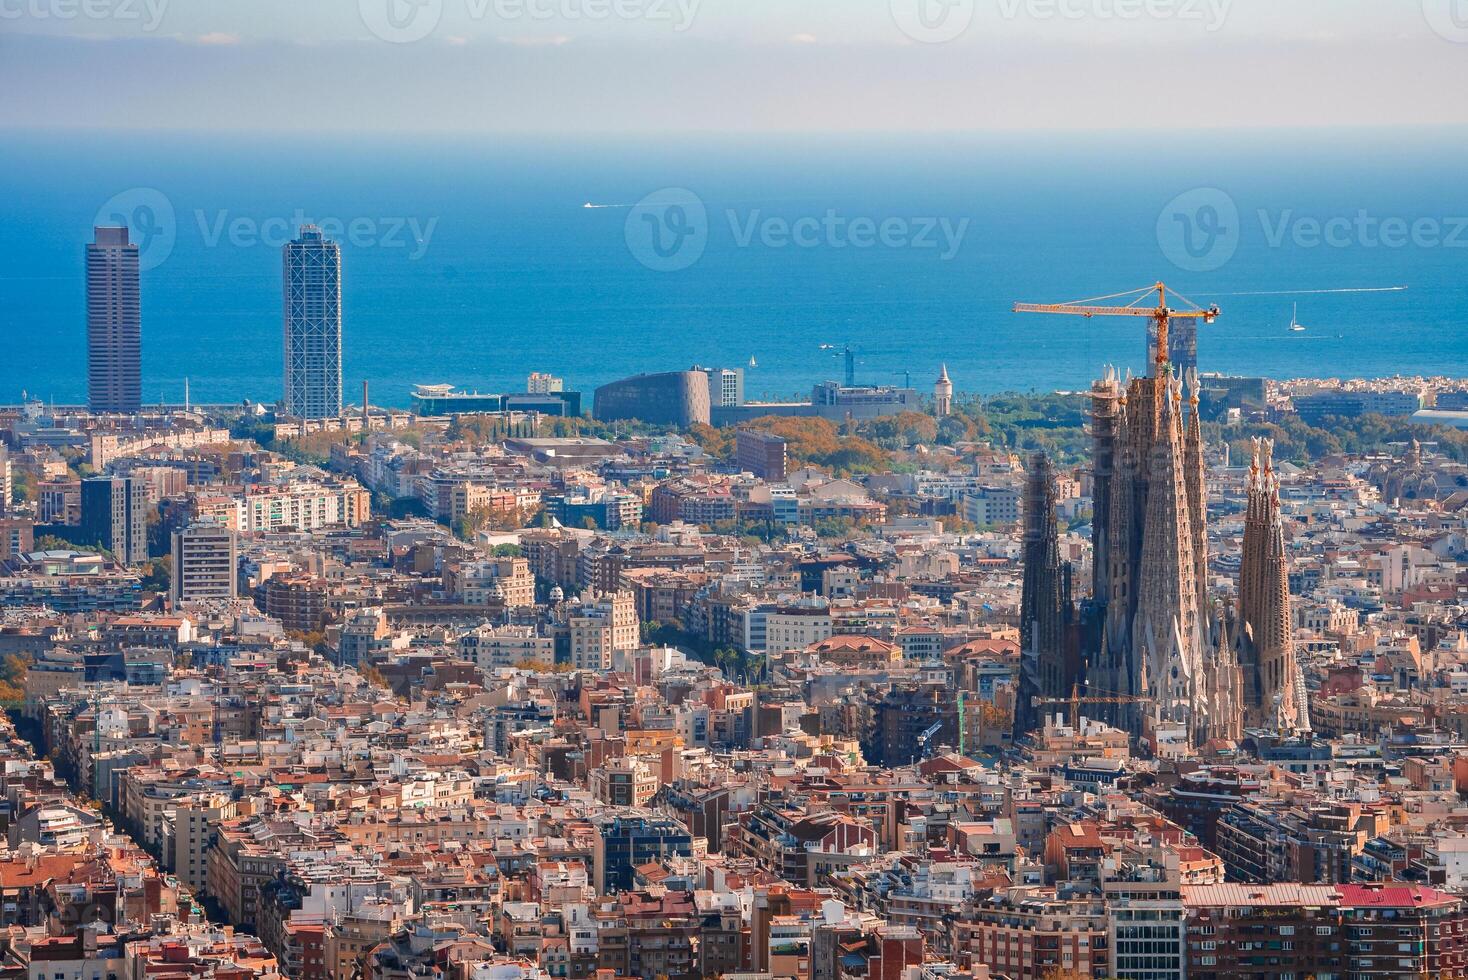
(475, 262)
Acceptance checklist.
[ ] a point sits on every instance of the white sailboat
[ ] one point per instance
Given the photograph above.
(1295, 324)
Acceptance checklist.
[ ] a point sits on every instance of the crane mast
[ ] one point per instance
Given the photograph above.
(1161, 314)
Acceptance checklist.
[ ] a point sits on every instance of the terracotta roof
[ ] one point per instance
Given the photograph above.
(1224, 896)
(853, 642)
(989, 646)
(22, 874)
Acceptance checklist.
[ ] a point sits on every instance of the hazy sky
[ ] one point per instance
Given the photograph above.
(570, 66)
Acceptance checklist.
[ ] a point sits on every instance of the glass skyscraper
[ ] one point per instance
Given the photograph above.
(114, 323)
(312, 280)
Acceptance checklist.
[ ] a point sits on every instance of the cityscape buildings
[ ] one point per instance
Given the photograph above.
(544, 706)
(1162, 678)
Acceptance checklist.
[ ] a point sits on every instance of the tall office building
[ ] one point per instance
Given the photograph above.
(115, 516)
(114, 323)
(205, 557)
(312, 277)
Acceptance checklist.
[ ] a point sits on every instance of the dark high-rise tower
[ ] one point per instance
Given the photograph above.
(115, 516)
(312, 273)
(114, 323)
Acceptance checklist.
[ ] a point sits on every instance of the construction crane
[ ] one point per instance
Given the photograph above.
(1161, 314)
(1077, 699)
(926, 737)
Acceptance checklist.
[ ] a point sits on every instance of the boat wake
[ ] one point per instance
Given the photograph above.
(1318, 292)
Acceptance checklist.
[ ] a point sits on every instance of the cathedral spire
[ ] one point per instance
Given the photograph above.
(1167, 619)
(1273, 688)
(1048, 665)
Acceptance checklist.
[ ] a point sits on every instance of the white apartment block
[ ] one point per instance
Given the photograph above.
(303, 506)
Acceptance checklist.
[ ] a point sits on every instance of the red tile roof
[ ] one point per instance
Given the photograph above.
(1393, 896)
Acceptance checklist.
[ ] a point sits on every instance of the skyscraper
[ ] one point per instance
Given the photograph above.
(115, 517)
(114, 323)
(313, 325)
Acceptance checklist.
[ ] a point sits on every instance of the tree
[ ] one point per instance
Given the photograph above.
(723, 657)
(374, 677)
(315, 639)
(23, 490)
(158, 572)
(13, 670)
(716, 442)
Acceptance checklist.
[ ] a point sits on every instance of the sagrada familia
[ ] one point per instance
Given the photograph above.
(1150, 649)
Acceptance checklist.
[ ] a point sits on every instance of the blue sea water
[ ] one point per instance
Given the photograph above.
(509, 273)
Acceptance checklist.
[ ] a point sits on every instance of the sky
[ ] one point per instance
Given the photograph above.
(657, 66)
